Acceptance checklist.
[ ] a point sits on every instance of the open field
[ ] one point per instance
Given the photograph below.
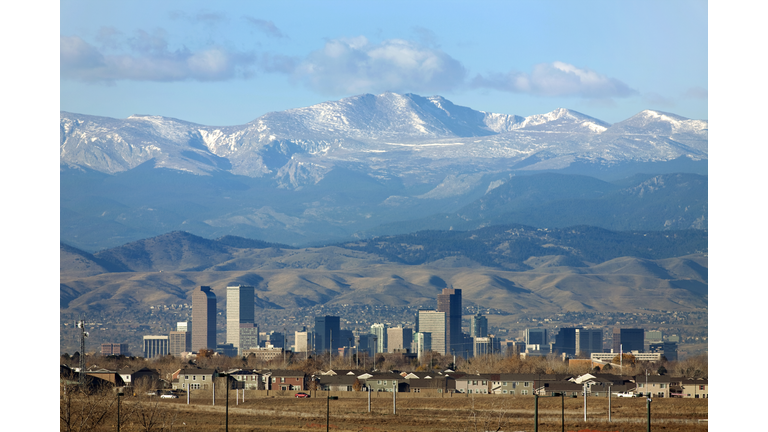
(457, 413)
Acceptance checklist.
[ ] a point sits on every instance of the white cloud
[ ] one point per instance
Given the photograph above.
(354, 65)
(556, 79)
(150, 60)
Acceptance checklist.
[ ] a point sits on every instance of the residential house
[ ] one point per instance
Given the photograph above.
(246, 379)
(387, 382)
(653, 385)
(337, 382)
(283, 379)
(474, 384)
(135, 377)
(695, 388)
(194, 379)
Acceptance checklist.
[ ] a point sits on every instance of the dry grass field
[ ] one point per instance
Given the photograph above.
(457, 413)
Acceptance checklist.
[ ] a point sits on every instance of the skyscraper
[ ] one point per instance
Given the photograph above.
(303, 340)
(203, 319)
(565, 341)
(327, 329)
(449, 302)
(478, 326)
(399, 338)
(179, 342)
(588, 341)
(536, 336)
(628, 340)
(239, 311)
(434, 322)
(423, 341)
(379, 331)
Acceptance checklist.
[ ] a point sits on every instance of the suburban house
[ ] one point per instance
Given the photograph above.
(246, 379)
(283, 379)
(695, 388)
(657, 385)
(387, 382)
(338, 382)
(194, 379)
(133, 377)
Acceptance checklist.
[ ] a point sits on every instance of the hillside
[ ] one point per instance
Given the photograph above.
(513, 269)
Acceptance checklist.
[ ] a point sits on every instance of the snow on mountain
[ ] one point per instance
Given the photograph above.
(391, 133)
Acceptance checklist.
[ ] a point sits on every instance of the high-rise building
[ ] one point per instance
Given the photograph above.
(399, 338)
(486, 345)
(365, 344)
(536, 336)
(249, 337)
(303, 340)
(240, 300)
(588, 341)
(379, 331)
(423, 341)
(155, 346)
(179, 342)
(667, 349)
(203, 319)
(478, 326)
(565, 341)
(327, 330)
(182, 326)
(627, 340)
(449, 302)
(434, 322)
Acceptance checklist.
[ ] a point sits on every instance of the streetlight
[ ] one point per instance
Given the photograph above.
(227, 377)
(328, 411)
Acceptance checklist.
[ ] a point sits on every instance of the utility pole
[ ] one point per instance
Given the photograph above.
(83, 335)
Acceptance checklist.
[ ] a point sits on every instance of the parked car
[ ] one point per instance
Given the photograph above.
(301, 395)
(169, 396)
(626, 395)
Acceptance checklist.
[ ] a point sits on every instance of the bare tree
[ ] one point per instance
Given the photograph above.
(83, 410)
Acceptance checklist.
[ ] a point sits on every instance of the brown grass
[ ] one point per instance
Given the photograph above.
(457, 413)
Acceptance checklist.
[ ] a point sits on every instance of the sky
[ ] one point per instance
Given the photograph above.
(228, 63)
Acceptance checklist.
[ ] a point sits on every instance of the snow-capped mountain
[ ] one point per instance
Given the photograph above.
(390, 133)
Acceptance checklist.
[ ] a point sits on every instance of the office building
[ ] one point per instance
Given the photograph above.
(272, 338)
(434, 322)
(240, 310)
(203, 319)
(226, 349)
(654, 336)
(536, 336)
(379, 332)
(346, 338)
(108, 349)
(423, 341)
(155, 346)
(249, 337)
(303, 341)
(327, 329)
(486, 345)
(478, 326)
(399, 338)
(667, 349)
(182, 326)
(565, 341)
(365, 344)
(179, 342)
(626, 340)
(588, 341)
(449, 303)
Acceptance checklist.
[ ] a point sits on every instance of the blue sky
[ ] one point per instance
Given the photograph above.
(226, 64)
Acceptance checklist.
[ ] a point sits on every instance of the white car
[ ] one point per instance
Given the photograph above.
(169, 396)
(626, 395)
